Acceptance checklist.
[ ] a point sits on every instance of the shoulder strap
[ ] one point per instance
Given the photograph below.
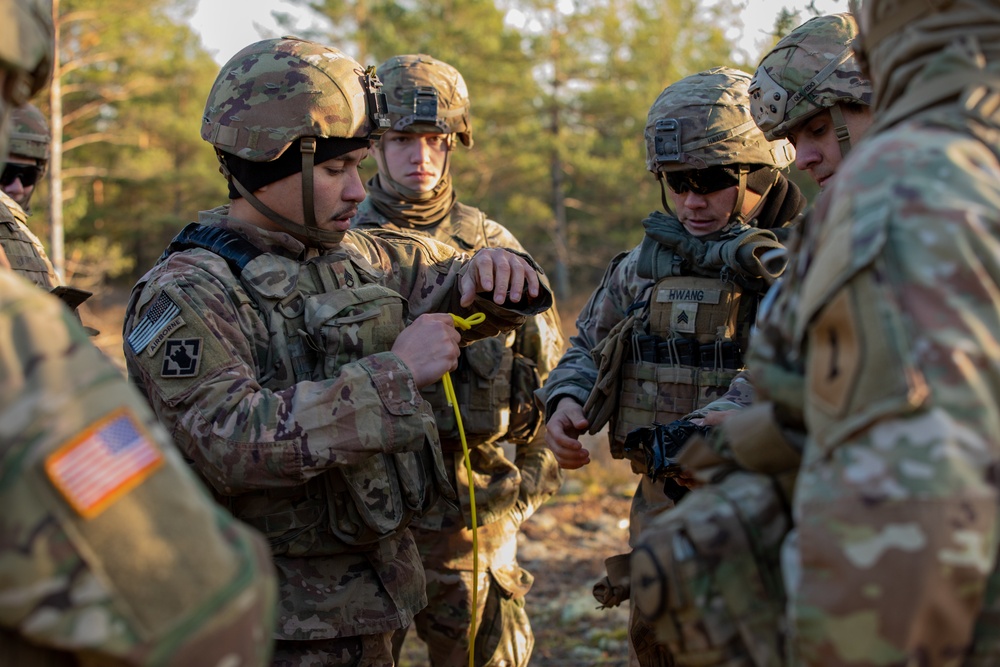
(230, 246)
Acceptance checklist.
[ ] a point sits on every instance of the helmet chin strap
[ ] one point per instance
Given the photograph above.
(840, 129)
(310, 231)
(737, 215)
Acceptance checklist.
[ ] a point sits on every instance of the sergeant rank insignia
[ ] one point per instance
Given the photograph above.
(181, 358)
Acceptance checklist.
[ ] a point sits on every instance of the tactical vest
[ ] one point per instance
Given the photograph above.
(329, 311)
(482, 380)
(25, 251)
(688, 354)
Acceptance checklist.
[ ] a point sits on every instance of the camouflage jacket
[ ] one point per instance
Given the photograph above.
(248, 441)
(896, 507)
(622, 292)
(24, 250)
(503, 488)
(111, 548)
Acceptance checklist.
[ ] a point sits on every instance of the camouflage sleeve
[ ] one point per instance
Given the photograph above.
(740, 395)
(428, 273)
(576, 372)
(111, 547)
(222, 417)
(896, 553)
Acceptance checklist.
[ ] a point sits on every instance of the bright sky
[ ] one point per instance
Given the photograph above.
(226, 26)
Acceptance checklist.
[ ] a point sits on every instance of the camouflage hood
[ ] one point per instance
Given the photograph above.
(933, 49)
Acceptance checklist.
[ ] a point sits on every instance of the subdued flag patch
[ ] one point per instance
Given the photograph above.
(153, 322)
(103, 463)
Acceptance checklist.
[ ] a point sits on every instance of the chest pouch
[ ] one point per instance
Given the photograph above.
(707, 574)
(482, 388)
(375, 499)
(687, 358)
(345, 325)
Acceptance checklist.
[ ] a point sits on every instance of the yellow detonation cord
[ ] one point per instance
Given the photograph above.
(465, 323)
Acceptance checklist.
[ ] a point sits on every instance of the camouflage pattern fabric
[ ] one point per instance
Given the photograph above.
(363, 651)
(274, 92)
(621, 288)
(255, 433)
(24, 251)
(112, 551)
(713, 125)
(812, 68)
(410, 80)
(507, 492)
(896, 555)
(29, 134)
(26, 53)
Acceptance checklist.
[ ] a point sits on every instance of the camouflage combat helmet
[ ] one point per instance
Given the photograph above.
(279, 93)
(26, 48)
(426, 95)
(29, 134)
(811, 69)
(704, 120)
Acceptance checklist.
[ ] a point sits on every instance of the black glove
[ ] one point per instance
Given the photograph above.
(658, 445)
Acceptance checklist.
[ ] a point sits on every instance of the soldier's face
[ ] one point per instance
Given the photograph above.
(703, 214)
(18, 179)
(337, 191)
(817, 151)
(415, 161)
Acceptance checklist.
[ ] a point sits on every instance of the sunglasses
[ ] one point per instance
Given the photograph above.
(28, 173)
(702, 181)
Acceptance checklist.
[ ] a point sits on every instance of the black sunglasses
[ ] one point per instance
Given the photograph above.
(28, 173)
(702, 181)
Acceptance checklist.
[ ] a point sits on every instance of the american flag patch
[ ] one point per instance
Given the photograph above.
(103, 463)
(158, 316)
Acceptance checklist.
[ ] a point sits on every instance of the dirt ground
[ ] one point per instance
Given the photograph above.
(563, 545)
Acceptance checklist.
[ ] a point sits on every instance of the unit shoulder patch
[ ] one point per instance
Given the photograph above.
(181, 358)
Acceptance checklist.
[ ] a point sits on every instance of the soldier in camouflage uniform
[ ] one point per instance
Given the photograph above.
(28, 157)
(665, 332)
(896, 507)
(29, 153)
(286, 352)
(428, 104)
(717, 553)
(112, 551)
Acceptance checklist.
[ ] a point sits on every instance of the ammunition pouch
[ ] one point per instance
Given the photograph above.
(707, 574)
(525, 416)
(482, 385)
(321, 315)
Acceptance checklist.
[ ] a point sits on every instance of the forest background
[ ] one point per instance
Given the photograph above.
(559, 106)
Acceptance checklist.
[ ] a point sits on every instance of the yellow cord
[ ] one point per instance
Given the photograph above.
(465, 323)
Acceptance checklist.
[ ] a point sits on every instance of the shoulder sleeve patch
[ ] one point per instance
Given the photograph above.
(103, 463)
(153, 322)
